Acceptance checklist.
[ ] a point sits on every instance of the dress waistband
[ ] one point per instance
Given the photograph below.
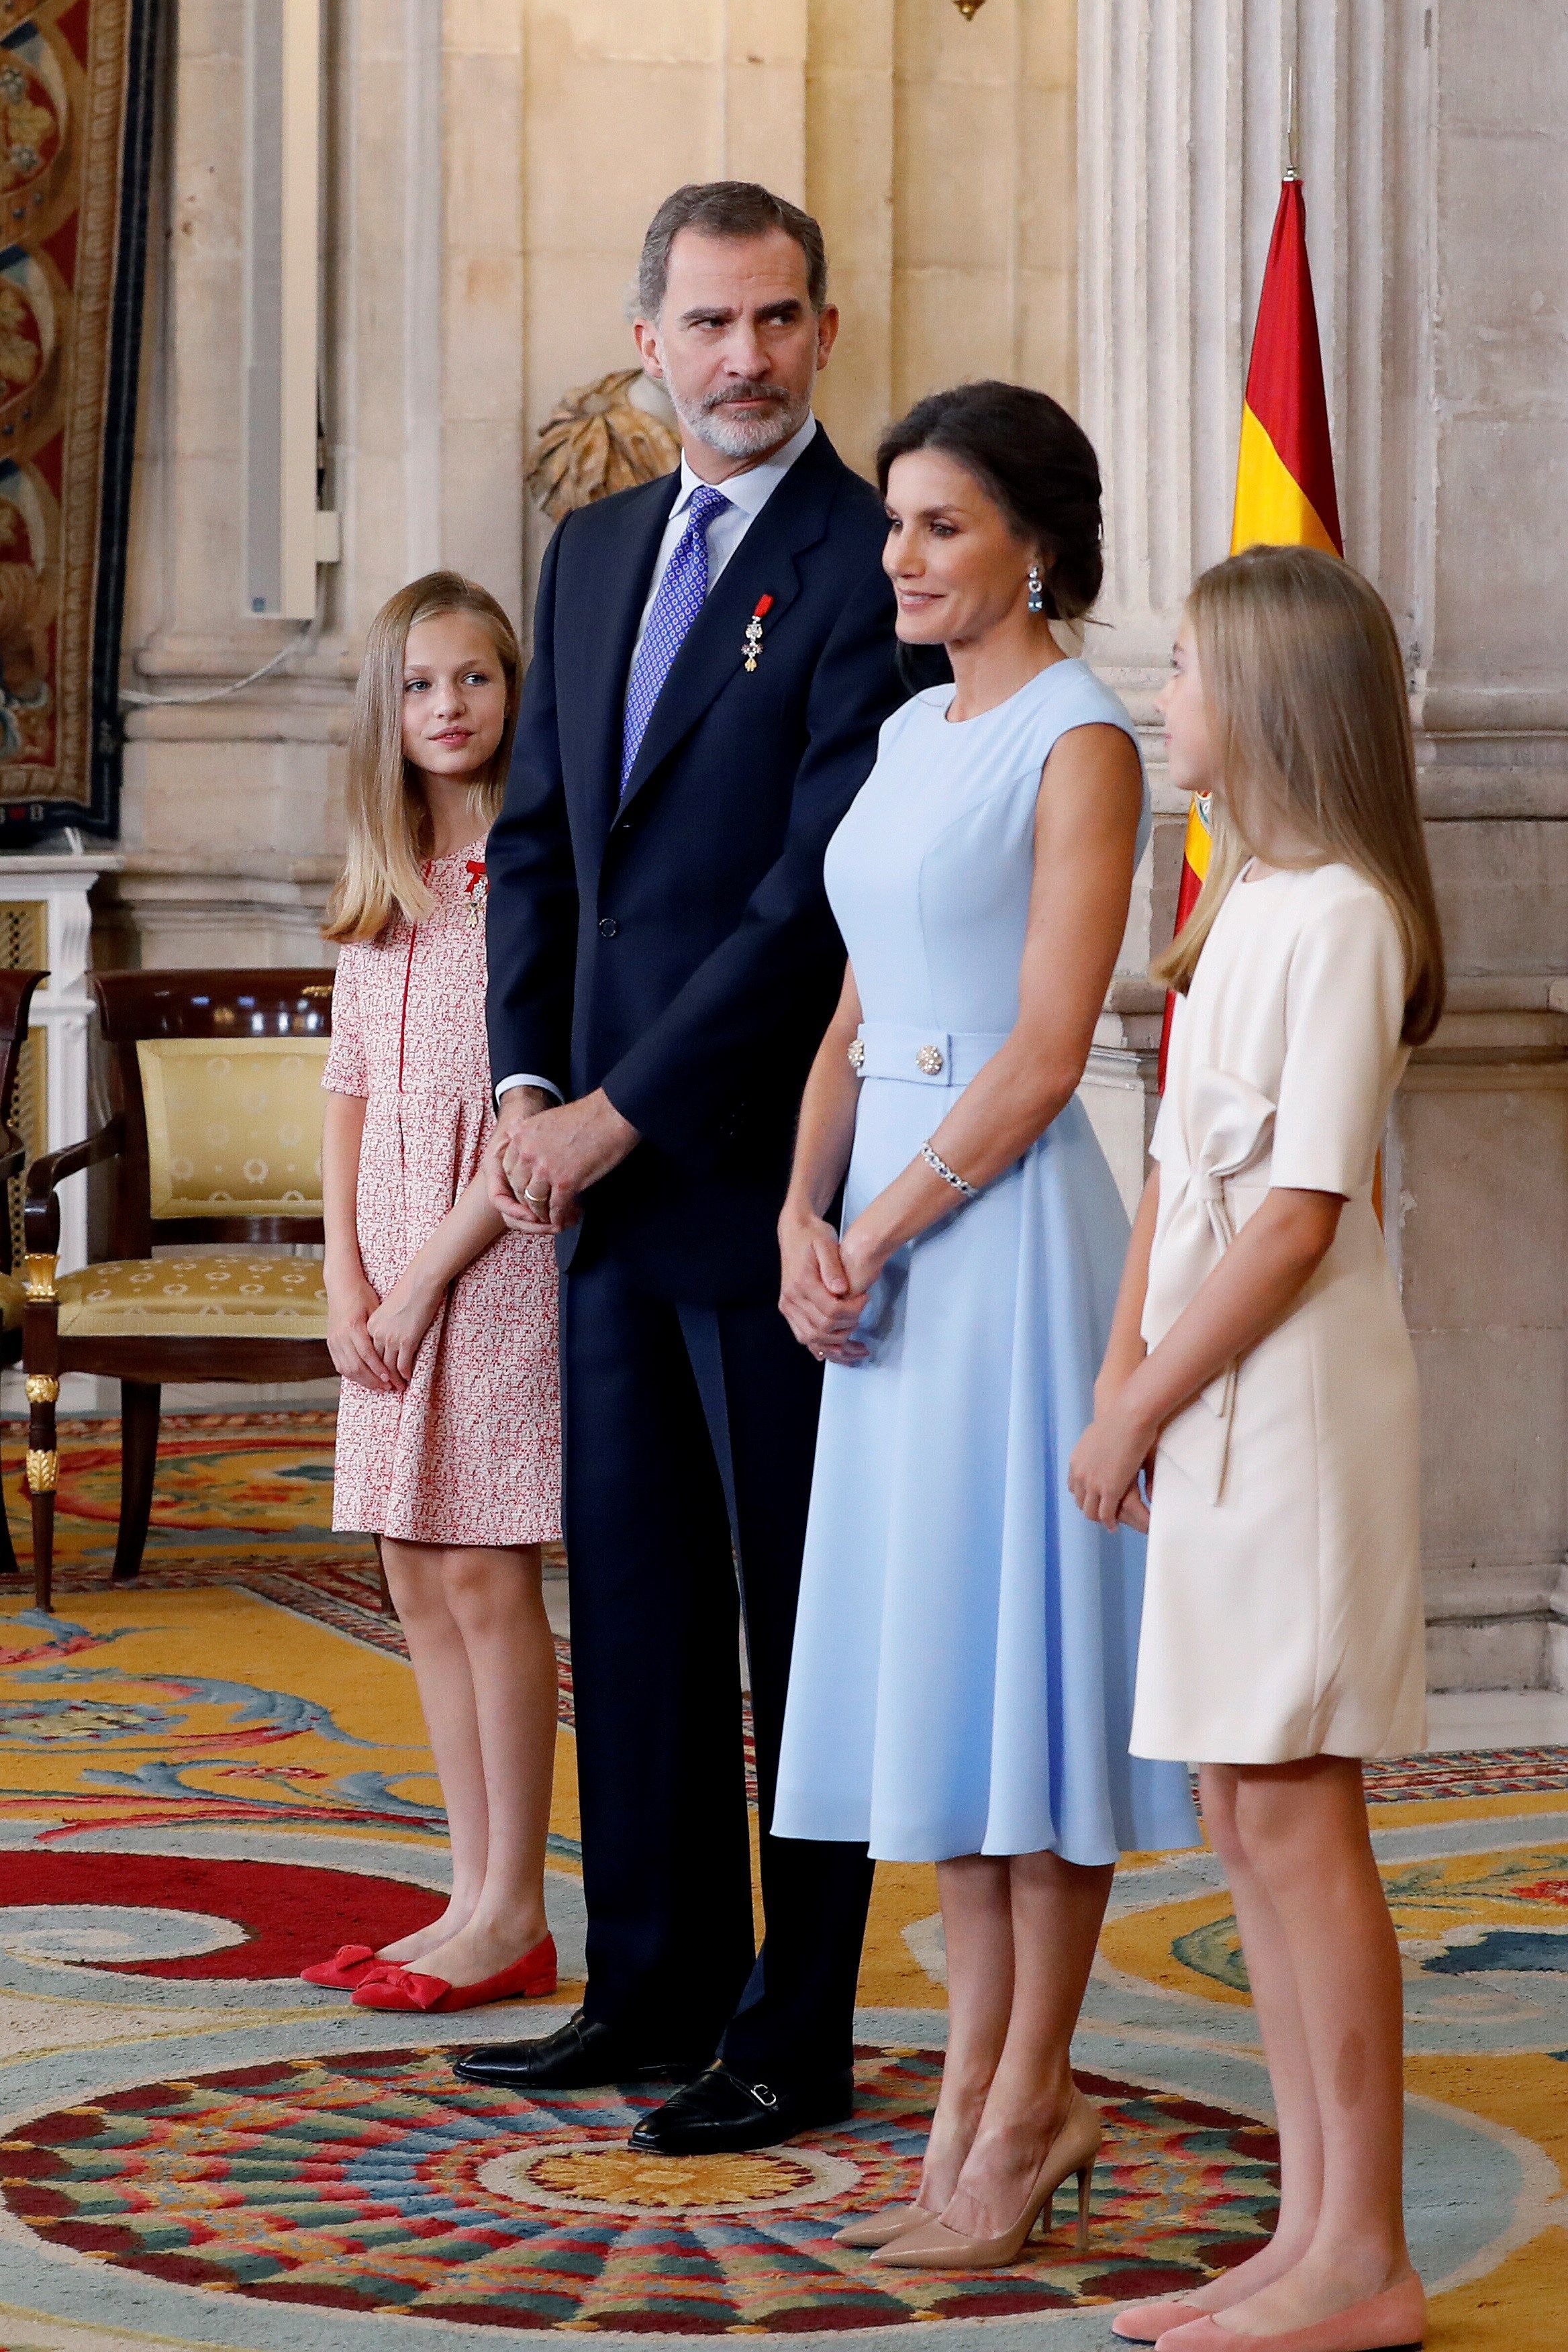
(925, 1057)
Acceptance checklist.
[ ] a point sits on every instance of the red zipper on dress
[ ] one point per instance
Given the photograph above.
(407, 976)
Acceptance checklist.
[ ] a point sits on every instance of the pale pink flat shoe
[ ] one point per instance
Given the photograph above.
(1145, 2323)
(1393, 2321)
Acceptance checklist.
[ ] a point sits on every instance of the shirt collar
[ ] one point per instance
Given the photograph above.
(751, 490)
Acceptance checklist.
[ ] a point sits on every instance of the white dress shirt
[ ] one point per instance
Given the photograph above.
(748, 493)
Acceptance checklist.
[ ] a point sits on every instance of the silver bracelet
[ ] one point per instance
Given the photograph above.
(949, 1175)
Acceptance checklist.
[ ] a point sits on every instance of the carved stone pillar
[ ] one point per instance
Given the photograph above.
(1182, 132)
(1436, 180)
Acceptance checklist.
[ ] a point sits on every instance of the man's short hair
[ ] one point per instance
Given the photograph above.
(734, 208)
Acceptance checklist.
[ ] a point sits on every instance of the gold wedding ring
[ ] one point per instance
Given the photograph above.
(537, 1200)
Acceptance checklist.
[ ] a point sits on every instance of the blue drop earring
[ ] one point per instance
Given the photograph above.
(1036, 589)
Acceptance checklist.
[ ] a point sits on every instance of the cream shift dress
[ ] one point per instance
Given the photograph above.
(1282, 1612)
(469, 1452)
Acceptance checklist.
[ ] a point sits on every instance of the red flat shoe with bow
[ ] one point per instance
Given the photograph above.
(529, 1979)
(347, 1970)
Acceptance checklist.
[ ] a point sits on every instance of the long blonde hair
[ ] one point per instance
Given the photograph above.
(389, 824)
(1304, 685)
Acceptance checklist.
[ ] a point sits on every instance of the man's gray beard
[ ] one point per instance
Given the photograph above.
(745, 436)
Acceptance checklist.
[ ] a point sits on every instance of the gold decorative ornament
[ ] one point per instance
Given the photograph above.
(602, 437)
(969, 9)
(42, 1470)
(41, 1277)
(42, 1388)
(316, 988)
(929, 1059)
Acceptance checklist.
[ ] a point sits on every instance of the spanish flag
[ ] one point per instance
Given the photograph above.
(1285, 474)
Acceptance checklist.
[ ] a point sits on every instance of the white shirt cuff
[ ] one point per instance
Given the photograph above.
(527, 1078)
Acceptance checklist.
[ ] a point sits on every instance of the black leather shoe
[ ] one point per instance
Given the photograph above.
(720, 2111)
(580, 2056)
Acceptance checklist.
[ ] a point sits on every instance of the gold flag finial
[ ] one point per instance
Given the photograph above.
(969, 9)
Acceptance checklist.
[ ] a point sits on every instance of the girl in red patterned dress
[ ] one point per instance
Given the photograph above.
(441, 1320)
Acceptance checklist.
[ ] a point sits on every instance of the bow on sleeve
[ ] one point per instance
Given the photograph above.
(1229, 1128)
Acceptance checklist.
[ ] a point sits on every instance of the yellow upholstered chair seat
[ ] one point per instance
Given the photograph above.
(194, 1299)
(10, 1303)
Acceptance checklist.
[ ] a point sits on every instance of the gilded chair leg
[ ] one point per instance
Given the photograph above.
(43, 1474)
(141, 1404)
(44, 1548)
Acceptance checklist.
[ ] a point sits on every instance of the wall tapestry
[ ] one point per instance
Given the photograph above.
(76, 120)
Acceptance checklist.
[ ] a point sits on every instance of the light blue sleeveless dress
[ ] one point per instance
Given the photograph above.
(967, 1642)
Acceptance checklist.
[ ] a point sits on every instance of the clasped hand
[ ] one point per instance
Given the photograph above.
(1103, 1476)
(826, 1284)
(374, 1340)
(539, 1163)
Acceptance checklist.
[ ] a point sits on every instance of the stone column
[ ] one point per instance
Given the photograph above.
(1435, 174)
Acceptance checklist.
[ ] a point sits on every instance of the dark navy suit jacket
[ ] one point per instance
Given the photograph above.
(677, 949)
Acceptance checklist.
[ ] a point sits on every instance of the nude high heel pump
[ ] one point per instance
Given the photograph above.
(879, 2229)
(932, 2246)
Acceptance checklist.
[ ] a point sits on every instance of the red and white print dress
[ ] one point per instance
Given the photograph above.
(469, 1453)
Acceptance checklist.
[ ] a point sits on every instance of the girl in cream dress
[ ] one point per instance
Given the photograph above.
(1260, 1378)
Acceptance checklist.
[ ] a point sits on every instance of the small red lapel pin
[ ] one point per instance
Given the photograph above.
(751, 644)
(477, 887)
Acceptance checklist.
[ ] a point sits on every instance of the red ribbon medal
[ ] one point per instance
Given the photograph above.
(751, 644)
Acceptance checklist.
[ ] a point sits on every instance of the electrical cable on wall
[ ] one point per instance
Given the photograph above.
(306, 642)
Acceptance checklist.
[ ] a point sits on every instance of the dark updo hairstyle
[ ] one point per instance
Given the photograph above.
(1027, 453)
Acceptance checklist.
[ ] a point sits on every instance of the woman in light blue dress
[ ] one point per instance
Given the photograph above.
(966, 1645)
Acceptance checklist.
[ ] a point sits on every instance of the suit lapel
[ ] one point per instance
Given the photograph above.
(794, 519)
(607, 631)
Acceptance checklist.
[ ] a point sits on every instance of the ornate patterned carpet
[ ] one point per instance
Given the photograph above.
(210, 1779)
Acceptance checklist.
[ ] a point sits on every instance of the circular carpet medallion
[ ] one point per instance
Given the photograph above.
(377, 2183)
(176, 1917)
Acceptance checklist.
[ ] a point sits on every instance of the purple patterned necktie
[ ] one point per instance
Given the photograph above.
(681, 593)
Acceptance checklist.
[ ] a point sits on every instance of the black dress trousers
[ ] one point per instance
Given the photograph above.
(689, 1433)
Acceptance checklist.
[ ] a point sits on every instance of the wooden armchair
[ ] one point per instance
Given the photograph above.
(15, 996)
(215, 1135)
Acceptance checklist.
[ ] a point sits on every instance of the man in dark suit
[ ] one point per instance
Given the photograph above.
(713, 656)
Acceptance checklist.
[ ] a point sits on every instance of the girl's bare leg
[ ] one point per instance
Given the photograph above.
(1057, 1908)
(977, 1922)
(1304, 1830)
(415, 1580)
(1284, 2035)
(496, 1597)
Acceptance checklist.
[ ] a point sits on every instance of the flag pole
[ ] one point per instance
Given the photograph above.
(1284, 493)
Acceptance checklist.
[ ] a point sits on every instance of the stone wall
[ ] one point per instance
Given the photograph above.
(1435, 165)
(491, 166)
